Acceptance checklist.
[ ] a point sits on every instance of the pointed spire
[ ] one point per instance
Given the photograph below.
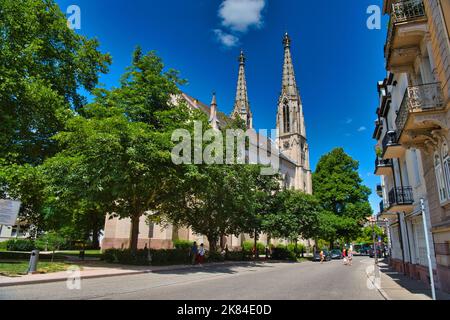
(241, 104)
(289, 85)
(213, 120)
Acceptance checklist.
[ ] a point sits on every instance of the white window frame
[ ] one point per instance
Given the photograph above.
(440, 177)
(446, 167)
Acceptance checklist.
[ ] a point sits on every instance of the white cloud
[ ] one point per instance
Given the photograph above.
(361, 129)
(228, 40)
(348, 121)
(240, 15)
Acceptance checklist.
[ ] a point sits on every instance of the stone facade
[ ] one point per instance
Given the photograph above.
(418, 91)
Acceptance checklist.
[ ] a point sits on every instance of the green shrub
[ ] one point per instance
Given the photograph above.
(147, 257)
(297, 252)
(22, 245)
(282, 253)
(25, 256)
(183, 244)
(3, 245)
(215, 257)
(248, 246)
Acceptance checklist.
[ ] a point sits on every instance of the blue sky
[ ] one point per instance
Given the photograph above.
(337, 59)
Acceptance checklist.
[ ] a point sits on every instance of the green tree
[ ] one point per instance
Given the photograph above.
(43, 64)
(294, 215)
(343, 198)
(51, 241)
(120, 149)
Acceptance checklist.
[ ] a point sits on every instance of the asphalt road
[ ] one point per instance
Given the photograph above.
(271, 281)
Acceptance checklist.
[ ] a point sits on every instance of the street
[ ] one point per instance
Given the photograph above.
(276, 281)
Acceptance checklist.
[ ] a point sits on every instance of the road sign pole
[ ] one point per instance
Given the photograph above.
(430, 267)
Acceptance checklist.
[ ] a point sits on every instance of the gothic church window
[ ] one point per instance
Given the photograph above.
(286, 118)
(151, 230)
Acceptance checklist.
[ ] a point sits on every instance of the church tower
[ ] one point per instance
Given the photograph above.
(241, 104)
(291, 122)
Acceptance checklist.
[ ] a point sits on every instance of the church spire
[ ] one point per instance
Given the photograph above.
(213, 120)
(289, 85)
(241, 104)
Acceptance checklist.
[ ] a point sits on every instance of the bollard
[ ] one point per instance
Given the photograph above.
(34, 260)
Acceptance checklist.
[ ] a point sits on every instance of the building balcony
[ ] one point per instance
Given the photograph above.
(383, 167)
(391, 148)
(379, 190)
(401, 200)
(407, 27)
(418, 109)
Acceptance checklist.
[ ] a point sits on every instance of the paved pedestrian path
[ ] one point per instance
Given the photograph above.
(396, 286)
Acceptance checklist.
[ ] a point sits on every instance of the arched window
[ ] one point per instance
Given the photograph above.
(439, 177)
(286, 118)
(446, 165)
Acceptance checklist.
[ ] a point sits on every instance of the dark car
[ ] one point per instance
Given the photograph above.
(326, 253)
(336, 254)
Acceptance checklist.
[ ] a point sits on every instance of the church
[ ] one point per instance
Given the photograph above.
(290, 141)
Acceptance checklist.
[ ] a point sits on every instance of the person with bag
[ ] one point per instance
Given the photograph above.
(201, 254)
(344, 256)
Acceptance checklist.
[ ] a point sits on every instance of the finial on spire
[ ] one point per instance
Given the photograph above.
(242, 58)
(286, 40)
(214, 99)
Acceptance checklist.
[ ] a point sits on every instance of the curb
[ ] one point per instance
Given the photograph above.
(96, 276)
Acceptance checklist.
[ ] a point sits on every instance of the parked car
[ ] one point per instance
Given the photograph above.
(336, 254)
(326, 253)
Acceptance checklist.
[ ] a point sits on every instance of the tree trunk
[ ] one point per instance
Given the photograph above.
(134, 237)
(95, 236)
(212, 243)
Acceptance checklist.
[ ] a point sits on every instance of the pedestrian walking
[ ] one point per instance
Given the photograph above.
(350, 256)
(322, 256)
(201, 254)
(194, 253)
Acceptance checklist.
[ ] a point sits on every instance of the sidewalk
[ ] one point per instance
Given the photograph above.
(90, 271)
(396, 286)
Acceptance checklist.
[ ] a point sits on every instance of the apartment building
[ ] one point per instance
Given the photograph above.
(413, 156)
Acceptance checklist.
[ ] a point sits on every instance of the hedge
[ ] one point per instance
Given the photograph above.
(168, 257)
(23, 245)
(283, 253)
(183, 244)
(8, 255)
(248, 246)
(147, 257)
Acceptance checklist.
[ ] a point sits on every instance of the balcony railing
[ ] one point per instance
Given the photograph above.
(380, 162)
(390, 138)
(379, 190)
(419, 98)
(407, 10)
(403, 11)
(401, 196)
